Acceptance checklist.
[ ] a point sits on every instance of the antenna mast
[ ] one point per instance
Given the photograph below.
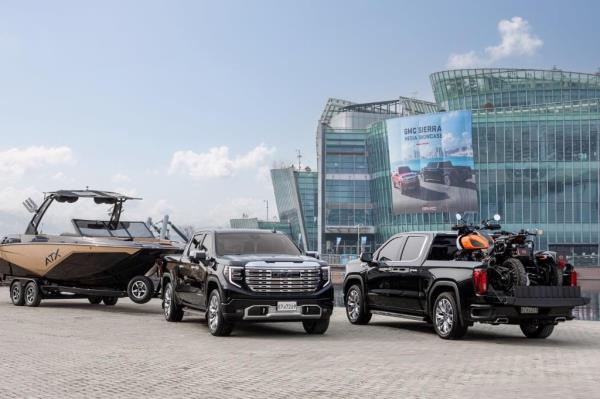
(299, 156)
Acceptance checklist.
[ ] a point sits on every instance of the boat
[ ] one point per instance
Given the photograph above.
(100, 259)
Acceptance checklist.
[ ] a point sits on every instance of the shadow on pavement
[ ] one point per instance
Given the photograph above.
(486, 336)
(131, 308)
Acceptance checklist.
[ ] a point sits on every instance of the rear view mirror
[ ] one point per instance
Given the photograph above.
(197, 256)
(366, 257)
(313, 254)
(497, 217)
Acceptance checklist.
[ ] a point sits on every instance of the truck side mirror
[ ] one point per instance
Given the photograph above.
(366, 257)
(313, 254)
(197, 256)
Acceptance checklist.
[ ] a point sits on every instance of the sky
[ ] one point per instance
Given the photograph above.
(189, 103)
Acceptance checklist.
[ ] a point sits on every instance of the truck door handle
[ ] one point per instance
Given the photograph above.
(413, 270)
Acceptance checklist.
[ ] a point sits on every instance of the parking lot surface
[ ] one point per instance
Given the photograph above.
(71, 349)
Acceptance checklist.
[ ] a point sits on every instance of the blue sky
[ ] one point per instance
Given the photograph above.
(187, 104)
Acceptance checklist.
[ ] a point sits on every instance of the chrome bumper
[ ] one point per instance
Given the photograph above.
(268, 312)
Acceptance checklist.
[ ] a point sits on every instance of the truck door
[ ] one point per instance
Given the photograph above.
(187, 268)
(200, 272)
(380, 278)
(406, 296)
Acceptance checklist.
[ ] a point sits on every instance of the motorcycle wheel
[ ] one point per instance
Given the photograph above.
(554, 274)
(517, 273)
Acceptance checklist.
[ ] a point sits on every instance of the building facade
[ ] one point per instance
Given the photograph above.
(255, 223)
(536, 151)
(345, 216)
(296, 199)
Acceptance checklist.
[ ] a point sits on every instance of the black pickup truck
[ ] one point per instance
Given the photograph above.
(447, 173)
(414, 275)
(234, 276)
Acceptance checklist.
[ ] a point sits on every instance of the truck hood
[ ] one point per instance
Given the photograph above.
(241, 260)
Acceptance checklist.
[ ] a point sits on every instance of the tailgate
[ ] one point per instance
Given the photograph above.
(546, 297)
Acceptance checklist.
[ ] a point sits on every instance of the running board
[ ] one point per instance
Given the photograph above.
(194, 311)
(399, 315)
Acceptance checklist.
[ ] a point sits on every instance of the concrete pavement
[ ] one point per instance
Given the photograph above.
(71, 349)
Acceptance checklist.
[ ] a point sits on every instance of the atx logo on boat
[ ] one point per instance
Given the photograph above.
(52, 257)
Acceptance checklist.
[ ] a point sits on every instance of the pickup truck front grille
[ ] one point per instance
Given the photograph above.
(276, 280)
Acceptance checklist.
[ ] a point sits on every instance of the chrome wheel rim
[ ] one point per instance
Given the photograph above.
(213, 313)
(353, 305)
(167, 301)
(30, 294)
(139, 289)
(16, 292)
(444, 316)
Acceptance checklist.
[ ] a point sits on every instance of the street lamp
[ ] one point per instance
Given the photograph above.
(267, 202)
(358, 239)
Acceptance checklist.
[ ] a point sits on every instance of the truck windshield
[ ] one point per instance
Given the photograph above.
(403, 169)
(254, 243)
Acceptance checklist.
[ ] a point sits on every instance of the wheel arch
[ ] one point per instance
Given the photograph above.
(444, 286)
(351, 280)
(212, 284)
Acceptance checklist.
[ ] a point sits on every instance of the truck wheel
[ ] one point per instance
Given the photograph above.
(356, 307)
(316, 326)
(95, 300)
(217, 324)
(446, 317)
(33, 296)
(140, 289)
(172, 311)
(110, 300)
(533, 329)
(16, 293)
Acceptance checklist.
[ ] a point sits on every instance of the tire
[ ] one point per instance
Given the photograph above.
(446, 317)
(140, 289)
(172, 311)
(555, 274)
(315, 327)
(110, 300)
(16, 293)
(356, 307)
(95, 300)
(519, 274)
(32, 294)
(532, 329)
(217, 325)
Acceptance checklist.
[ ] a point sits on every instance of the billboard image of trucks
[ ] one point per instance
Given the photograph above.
(431, 163)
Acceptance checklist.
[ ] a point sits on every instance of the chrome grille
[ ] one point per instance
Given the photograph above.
(284, 280)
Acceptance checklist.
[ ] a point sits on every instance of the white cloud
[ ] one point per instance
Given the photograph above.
(516, 39)
(216, 162)
(58, 176)
(120, 178)
(15, 162)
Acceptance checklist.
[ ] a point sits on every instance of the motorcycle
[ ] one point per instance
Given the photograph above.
(511, 257)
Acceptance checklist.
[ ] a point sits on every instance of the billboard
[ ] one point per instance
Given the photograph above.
(431, 163)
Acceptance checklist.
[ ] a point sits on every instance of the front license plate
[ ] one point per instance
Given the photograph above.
(286, 306)
(529, 310)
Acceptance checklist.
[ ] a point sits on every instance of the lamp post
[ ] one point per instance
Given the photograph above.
(267, 203)
(358, 239)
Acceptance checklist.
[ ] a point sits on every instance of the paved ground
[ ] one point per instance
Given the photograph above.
(69, 349)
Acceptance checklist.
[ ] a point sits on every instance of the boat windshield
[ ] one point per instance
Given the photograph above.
(100, 228)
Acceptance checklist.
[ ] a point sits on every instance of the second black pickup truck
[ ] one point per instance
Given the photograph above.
(235, 276)
(447, 173)
(415, 275)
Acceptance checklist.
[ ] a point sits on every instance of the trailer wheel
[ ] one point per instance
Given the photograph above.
(95, 300)
(140, 289)
(110, 300)
(16, 293)
(33, 296)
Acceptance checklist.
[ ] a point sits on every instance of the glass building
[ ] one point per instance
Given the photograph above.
(536, 148)
(296, 198)
(345, 212)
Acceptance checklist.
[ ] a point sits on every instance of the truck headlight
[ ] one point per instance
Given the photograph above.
(325, 275)
(234, 274)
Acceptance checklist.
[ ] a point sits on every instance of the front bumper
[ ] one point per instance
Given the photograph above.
(255, 308)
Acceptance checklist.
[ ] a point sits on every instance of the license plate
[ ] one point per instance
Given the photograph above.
(286, 306)
(529, 310)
